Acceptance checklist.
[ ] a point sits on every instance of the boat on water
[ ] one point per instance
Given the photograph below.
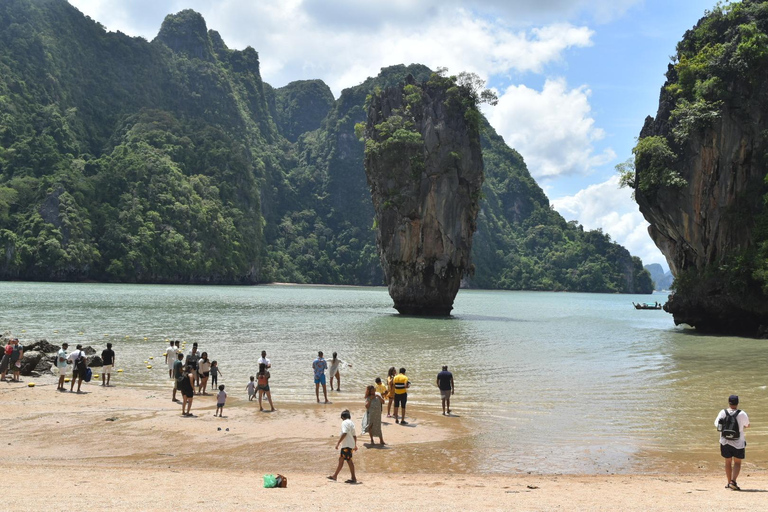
(647, 305)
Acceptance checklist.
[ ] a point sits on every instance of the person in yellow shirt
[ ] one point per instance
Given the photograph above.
(401, 394)
(381, 388)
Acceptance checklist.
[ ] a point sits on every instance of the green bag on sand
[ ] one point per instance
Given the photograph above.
(270, 481)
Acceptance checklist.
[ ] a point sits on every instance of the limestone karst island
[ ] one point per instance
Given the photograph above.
(328, 254)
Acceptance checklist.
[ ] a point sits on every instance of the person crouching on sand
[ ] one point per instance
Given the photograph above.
(348, 443)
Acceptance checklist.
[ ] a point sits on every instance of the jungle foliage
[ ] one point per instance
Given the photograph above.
(171, 161)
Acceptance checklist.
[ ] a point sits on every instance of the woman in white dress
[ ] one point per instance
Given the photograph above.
(334, 366)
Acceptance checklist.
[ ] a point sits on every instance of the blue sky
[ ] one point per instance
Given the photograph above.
(575, 78)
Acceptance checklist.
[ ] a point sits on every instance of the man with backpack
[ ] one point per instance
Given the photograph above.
(79, 367)
(731, 423)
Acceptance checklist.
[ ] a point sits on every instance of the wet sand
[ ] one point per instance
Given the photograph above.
(128, 447)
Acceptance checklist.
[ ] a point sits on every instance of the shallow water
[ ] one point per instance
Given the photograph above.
(555, 382)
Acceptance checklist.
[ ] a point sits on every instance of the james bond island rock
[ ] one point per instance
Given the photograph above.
(425, 169)
(700, 170)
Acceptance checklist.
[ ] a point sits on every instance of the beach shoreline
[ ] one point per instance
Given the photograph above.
(134, 442)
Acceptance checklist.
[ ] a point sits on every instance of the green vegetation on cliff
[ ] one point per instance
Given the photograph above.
(171, 161)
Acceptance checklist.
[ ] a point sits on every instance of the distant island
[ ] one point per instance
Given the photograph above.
(171, 161)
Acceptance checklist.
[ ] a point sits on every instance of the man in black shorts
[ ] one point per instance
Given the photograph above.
(733, 450)
(401, 394)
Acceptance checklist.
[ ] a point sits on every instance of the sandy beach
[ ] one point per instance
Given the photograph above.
(128, 448)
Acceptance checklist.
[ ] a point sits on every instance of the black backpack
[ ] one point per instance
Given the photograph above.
(730, 425)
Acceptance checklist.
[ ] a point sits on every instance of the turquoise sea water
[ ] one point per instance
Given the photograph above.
(551, 382)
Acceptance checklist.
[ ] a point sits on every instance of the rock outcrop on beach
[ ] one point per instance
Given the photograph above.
(700, 169)
(425, 169)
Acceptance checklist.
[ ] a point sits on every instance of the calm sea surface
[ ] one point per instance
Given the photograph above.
(553, 382)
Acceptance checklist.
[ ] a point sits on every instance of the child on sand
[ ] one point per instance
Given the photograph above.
(381, 388)
(348, 443)
(251, 388)
(221, 397)
(215, 372)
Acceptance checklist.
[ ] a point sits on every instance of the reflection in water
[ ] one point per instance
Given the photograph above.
(550, 382)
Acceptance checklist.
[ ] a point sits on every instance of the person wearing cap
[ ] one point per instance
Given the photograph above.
(61, 364)
(733, 450)
(445, 385)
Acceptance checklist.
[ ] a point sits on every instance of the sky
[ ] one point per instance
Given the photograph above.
(575, 78)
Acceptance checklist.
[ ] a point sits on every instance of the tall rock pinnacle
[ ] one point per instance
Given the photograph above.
(425, 170)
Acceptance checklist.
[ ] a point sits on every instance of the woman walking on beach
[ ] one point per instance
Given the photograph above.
(263, 385)
(336, 363)
(187, 387)
(372, 417)
(204, 370)
(390, 390)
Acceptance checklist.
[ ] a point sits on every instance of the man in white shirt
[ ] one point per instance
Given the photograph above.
(78, 368)
(170, 358)
(732, 445)
(263, 360)
(348, 443)
(61, 364)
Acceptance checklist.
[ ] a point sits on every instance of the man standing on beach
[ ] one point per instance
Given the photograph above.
(192, 358)
(170, 358)
(445, 384)
(107, 363)
(401, 394)
(61, 364)
(263, 360)
(178, 372)
(77, 357)
(319, 366)
(732, 450)
(348, 443)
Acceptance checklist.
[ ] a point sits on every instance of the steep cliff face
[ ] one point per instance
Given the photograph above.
(700, 171)
(425, 169)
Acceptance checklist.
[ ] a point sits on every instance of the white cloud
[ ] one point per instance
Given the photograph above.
(606, 206)
(295, 42)
(553, 128)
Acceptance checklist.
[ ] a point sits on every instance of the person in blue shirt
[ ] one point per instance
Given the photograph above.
(319, 365)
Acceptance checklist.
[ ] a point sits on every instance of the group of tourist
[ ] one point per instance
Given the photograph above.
(12, 354)
(190, 371)
(77, 360)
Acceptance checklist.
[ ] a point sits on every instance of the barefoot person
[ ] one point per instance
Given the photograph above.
(348, 443)
(16, 354)
(390, 389)
(178, 374)
(319, 366)
(204, 373)
(401, 393)
(170, 358)
(61, 364)
(731, 423)
(336, 363)
(221, 399)
(263, 385)
(374, 403)
(445, 385)
(5, 364)
(187, 388)
(107, 364)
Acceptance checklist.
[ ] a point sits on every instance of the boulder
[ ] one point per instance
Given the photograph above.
(42, 346)
(95, 361)
(424, 167)
(89, 350)
(29, 361)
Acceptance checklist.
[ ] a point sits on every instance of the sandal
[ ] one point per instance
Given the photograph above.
(733, 486)
(331, 478)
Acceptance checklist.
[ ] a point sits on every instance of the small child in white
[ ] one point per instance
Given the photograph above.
(251, 388)
(221, 397)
